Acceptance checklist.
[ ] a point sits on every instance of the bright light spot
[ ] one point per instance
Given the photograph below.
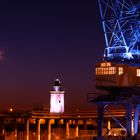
(11, 109)
(15, 135)
(56, 88)
(129, 55)
(57, 80)
(34, 133)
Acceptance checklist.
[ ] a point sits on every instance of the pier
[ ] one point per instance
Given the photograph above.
(40, 125)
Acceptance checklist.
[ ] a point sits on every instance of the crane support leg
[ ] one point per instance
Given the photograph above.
(100, 121)
(136, 121)
(129, 121)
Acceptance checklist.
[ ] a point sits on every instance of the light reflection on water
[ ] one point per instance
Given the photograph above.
(57, 134)
(32, 136)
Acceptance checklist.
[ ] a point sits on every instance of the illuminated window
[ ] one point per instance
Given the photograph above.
(138, 72)
(113, 70)
(105, 70)
(106, 64)
(103, 64)
(120, 70)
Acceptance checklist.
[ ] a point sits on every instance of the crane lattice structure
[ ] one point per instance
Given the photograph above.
(121, 26)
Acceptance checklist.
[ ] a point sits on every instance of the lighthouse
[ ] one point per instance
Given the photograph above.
(57, 98)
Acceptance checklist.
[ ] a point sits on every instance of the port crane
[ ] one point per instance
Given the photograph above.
(119, 72)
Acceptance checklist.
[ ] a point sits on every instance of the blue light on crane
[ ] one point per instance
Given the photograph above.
(121, 26)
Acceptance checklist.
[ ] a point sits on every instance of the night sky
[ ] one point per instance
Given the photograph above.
(40, 42)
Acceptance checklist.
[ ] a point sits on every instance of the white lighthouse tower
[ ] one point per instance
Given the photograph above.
(57, 98)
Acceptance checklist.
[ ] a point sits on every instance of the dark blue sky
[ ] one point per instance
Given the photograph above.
(45, 41)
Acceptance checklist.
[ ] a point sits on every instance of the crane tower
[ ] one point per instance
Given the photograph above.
(121, 27)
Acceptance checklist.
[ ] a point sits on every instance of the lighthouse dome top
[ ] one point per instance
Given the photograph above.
(57, 82)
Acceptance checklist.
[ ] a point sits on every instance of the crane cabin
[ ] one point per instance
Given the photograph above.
(109, 75)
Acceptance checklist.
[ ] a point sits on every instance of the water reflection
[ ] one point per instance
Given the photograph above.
(57, 134)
